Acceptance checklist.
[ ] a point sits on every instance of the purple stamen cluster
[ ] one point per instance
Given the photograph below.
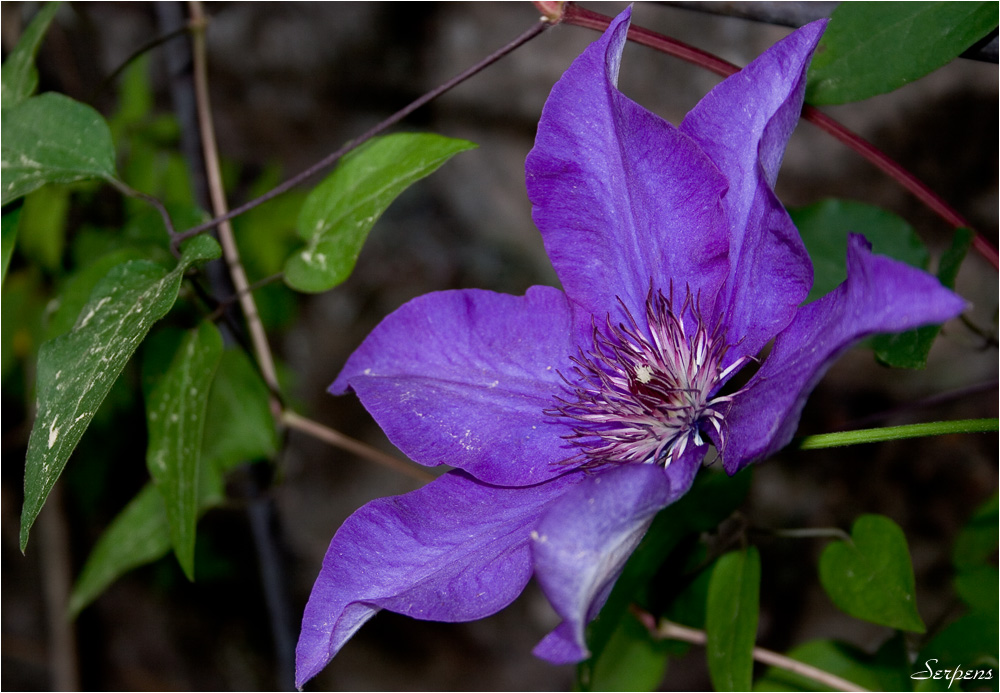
(641, 393)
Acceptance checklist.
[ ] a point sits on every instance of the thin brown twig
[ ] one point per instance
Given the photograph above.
(227, 239)
(332, 158)
(136, 54)
(129, 191)
(338, 439)
(668, 630)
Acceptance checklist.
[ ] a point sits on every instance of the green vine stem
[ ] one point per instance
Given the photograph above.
(879, 435)
(569, 13)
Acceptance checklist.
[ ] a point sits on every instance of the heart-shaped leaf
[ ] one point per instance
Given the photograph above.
(872, 577)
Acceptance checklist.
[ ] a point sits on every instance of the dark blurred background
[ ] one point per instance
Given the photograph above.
(291, 82)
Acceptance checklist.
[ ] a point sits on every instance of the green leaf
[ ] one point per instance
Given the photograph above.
(8, 237)
(21, 317)
(53, 139)
(910, 349)
(140, 534)
(18, 76)
(872, 579)
(135, 99)
(76, 370)
(870, 672)
(631, 660)
(824, 227)
(974, 556)
(239, 426)
(979, 587)
(731, 615)
(75, 293)
(175, 416)
(977, 543)
(872, 48)
(340, 211)
(42, 233)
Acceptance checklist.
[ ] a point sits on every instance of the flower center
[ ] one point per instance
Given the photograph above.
(643, 392)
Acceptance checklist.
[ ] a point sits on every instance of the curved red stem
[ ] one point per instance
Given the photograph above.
(579, 16)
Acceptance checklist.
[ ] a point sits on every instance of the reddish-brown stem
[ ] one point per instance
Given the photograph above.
(579, 16)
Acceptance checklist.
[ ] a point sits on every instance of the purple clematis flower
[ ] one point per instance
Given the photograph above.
(572, 417)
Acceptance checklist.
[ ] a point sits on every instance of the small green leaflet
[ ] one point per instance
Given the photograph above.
(18, 76)
(872, 579)
(238, 427)
(53, 139)
(872, 48)
(340, 211)
(76, 370)
(731, 615)
(910, 349)
(824, 227)
(175, 416)
(139, 534)
(75, 291)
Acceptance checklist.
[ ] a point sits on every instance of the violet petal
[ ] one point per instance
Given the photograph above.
(879, 295)
(454, 550)
(621, 197)
(462, 377)
(584, 539)
(743, 125)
